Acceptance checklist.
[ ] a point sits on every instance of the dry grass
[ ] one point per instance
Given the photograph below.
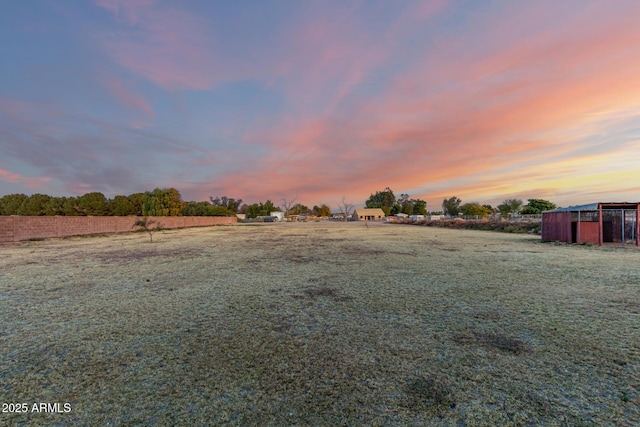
(320, 324)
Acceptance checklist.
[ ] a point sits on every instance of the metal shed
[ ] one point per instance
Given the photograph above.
(595, 223)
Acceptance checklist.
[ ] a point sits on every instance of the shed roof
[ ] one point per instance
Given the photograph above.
(595, 206)
(587, 207)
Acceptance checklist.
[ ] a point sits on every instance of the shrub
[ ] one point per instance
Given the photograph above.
(146, 224)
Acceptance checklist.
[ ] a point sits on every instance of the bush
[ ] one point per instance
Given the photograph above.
(520, 227)
(145, 224)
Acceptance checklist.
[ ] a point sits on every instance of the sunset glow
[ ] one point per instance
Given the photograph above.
(322, 99)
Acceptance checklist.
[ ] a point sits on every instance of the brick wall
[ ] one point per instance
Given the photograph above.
(6, 229)
(69, 225)
(15, 228)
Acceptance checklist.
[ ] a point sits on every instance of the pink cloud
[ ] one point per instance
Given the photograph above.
(499, 111)
(30, 182)
(128, 97)
(10, 176)
(166, 45)
(513, 94)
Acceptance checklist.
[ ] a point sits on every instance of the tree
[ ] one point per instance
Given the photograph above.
(402, 205)
(65, 206)
(252, 210)
(451, 206)
(196, 208)
(92, 204)
(55, 206)
(409, 206)
(269, 207)
(419, 207)
(146, 224)
(474, 209)
(34, 205)
(322, 210)
(205, 209)
(165, 202)
(287, 204)
(510, 206)
(489, 209)
(136, 200)
(299, 209)
(261, 209)
(229, 203)
(121, 206)
(346, 208)
(382, 199)
(11, 203)
(69, 207)
(537, 206)
(219, 211)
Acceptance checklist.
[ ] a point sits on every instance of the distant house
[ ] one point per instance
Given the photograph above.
(241, 217)
(369, 214)
(402, 215)
(416, 217)
(279, 215)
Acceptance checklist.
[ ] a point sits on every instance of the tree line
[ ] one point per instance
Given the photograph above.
(159, 202)
(392, 205)
(453, 207)
(168, 202)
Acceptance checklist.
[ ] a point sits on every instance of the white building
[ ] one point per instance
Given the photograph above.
(278, 214)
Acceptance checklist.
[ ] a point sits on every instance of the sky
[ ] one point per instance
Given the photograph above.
(322, 101)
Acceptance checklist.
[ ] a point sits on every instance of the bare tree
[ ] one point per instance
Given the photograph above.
(346, 208)
(287, 205)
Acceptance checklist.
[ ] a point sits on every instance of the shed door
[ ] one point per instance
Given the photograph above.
(607, 231)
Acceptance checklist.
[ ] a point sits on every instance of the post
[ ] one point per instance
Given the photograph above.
(600, 237)
(578, 231)
(638, 225)
(622, 211)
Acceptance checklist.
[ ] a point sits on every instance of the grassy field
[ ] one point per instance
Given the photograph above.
(320, 324)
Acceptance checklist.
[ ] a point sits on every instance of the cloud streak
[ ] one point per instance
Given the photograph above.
(33, 183)
(499, 112)
(128, 97)
(166, 45)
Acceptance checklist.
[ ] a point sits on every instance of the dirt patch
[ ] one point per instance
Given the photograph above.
(495, 341)
(324, 291)
(432, 391)
(132, 256)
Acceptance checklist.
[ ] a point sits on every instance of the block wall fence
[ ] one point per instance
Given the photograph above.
(16, 228)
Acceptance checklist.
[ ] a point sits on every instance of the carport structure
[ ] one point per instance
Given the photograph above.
(595, 223)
